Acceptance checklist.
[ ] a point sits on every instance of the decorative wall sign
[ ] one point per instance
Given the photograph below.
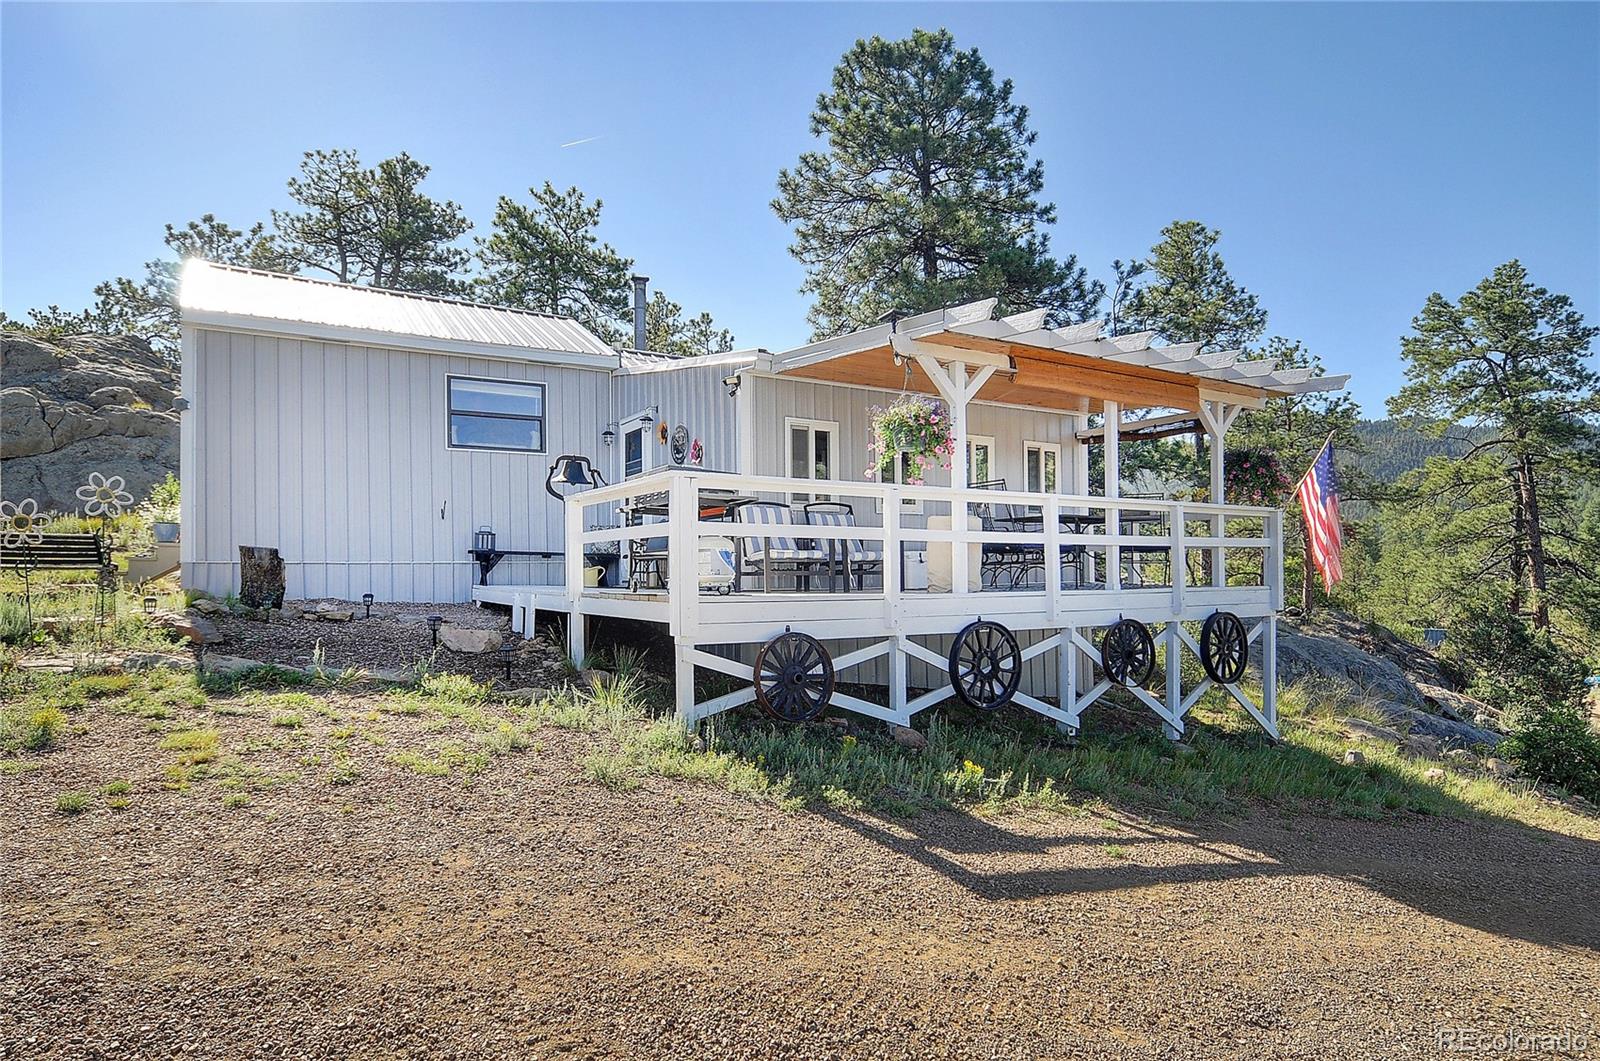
(697, 453)
(21, 523)
(104, 497)
(661, 432)
(680, 444)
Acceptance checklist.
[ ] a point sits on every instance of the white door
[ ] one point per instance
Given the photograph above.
(638, 445)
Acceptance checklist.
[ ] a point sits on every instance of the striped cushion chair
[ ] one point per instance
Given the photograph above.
(780, 552)
(859, 556)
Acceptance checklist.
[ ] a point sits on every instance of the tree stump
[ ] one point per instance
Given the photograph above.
(260, 577)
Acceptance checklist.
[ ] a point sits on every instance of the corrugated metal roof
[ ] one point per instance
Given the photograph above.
(221, 294)
(1086, 340)
(635, 362)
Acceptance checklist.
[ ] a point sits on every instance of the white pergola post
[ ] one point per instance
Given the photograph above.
(955, 394)
(948, 374)
(1217, 417)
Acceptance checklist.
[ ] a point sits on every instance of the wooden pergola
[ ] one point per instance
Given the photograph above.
(964, 354)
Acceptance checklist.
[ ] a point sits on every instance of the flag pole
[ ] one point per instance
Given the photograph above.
(1305, 530)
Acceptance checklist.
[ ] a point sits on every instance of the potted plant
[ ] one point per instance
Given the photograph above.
(161, 509)
(918, 427)
(1254, 477)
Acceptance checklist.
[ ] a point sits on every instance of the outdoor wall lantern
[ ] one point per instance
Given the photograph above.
(608, 436)
(506, 650)
(484, 539)
(434, 622)
(366, 602)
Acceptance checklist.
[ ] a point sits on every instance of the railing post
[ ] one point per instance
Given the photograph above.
(1177, 563)
(683, 564)
(1052, 554)
(893, 559)
(1272, 562)
(959, 515)
(1113, 550)
(573, 516)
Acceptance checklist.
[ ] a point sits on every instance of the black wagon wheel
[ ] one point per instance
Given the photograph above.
(793, 677)
(1224, 647)
(1128, 652)
(985, 665)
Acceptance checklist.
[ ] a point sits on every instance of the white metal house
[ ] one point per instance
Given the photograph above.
(370, 435)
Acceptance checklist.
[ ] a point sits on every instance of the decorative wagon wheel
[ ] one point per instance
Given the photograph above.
(1224, 648)
(1128, 652)
(793, 677)
(985, 665)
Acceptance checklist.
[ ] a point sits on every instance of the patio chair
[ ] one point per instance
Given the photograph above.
(647, 564)
(769, 553)
(859, 557)
(1013, 561)
(1158, 552)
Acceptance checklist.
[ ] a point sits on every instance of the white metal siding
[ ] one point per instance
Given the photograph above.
(336, 455)
(691, 396)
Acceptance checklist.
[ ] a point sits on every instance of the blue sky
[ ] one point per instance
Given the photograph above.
(1355, 157)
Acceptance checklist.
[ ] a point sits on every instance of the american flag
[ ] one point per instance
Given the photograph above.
(1319, 502)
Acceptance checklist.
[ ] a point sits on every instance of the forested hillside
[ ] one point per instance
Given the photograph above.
(1388, 448)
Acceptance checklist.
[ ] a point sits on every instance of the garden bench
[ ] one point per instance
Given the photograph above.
(59, 552)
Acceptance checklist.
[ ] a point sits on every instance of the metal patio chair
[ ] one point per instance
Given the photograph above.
(769, 554)
(858, 557)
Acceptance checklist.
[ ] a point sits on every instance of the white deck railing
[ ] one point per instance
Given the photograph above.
(1184, 528)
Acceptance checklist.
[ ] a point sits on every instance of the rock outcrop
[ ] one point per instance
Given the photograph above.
(81, 404)
(1404, 683)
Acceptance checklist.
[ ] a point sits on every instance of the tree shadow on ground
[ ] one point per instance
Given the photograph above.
(1501, 877)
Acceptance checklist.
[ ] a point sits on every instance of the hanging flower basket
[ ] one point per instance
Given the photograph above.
(919, 427)
(1254, 477)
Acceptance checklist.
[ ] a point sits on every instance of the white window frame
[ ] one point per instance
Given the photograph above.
(907, 504)
(973, 442)
(543, 417)
(1028, 449)
(636, 422)
(831, 427)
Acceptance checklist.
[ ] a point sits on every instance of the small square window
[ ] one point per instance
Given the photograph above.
(496, 414)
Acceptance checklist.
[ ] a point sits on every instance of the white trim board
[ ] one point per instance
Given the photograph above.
(326, 333)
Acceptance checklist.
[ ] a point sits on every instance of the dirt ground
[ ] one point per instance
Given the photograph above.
(529, 912)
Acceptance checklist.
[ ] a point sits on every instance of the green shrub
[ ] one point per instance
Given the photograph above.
(72, 803)
(1554, 744)
(13, 621)
(1515, 667)
(34, 729)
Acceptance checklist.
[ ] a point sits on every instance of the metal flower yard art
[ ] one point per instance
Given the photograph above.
(104, 497)
(21, 523)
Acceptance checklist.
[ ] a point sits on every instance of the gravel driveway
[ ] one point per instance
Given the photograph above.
(527, 912)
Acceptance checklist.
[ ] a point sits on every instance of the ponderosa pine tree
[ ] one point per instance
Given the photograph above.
(373, 226)
(548, 256)
(667, 331)
(925, 194)
(1293, 427)
(1190, 296)
(148, 308)
(1509, 360)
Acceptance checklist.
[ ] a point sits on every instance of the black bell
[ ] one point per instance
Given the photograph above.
(573, 473)
(571, 470)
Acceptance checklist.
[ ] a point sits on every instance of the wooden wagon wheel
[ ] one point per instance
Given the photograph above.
(1128, 652)
(793, 677)
(985, 665)
(1224, 648)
